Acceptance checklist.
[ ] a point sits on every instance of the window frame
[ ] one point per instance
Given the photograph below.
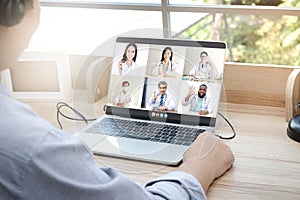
(166, 8)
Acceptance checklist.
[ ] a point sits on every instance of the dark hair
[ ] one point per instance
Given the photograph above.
(204, 52)
(13, 11)
(203, 85)
(163, 52)
(135, 55)
(125, 82)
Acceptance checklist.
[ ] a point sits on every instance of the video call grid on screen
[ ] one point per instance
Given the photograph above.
(144, 75)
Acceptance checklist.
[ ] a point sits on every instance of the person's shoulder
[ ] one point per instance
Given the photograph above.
(22, 129)
(208, 97)
(160, 64)
(196, 65)
(169, 95)
(195, 96)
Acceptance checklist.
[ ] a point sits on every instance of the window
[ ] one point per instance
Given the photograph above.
(250, 38)
(81, 30)
(50, 70)
(256, 31)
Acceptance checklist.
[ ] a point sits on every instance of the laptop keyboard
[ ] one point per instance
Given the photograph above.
(156, 132)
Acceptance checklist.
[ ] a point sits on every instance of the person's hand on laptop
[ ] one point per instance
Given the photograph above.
(207, 159)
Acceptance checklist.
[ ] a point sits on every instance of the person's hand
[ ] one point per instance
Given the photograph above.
(208, 62)
(121, 104)
(120, 64)
(162, 108)
(154, 96)
(190, 93)
(203, 112)
(191, 90)
(207, 159)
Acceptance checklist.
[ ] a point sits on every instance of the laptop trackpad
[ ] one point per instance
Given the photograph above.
(139, 149)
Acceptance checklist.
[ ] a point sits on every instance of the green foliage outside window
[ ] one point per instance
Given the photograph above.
(253, 38)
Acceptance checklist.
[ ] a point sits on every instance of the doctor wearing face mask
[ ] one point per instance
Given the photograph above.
(124, 98)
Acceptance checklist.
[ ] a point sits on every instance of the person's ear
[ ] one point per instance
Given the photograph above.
(11, 12)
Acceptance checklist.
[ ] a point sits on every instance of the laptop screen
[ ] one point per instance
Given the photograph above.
(166, 80)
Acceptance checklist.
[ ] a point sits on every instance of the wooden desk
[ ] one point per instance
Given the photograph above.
(267, 162)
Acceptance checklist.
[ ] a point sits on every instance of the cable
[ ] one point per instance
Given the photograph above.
(231, 126)
(59, 105)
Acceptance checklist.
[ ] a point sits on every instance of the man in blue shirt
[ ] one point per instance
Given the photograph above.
(38, 161)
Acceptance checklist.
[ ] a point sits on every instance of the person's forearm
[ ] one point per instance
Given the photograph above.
(186, 99)
(152, 101)
(204, 174)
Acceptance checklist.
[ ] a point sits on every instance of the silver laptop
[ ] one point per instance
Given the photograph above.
(162, 94)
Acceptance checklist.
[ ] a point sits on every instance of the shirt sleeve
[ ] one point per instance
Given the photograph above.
(170, 104)
(117, 98)
(156, 70)
(185, 103)
(130, 100)
(209, 105)
(63, 168)
(192, 71)
(177, 185)
(152, 101)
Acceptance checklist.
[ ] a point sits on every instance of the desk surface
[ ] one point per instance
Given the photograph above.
(267, 162)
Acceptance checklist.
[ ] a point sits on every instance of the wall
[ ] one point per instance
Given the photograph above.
(263, 85)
